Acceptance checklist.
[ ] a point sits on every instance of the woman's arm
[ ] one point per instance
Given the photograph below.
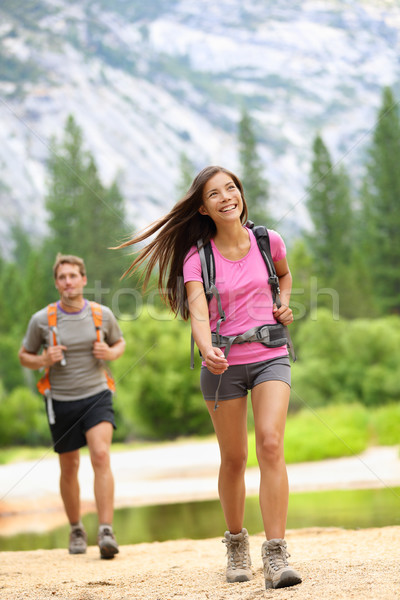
(198, 308)
(284, 314)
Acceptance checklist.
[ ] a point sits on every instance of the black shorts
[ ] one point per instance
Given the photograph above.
(74, 418)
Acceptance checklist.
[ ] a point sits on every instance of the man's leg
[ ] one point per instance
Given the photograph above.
(69, 484)
(99, 441)
(69, 487)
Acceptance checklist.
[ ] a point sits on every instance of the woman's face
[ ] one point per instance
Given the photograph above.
(222, 200)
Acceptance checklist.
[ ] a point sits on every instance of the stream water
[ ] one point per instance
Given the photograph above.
(350, 509)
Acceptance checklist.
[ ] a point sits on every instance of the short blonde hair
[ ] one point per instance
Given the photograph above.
(69, 259)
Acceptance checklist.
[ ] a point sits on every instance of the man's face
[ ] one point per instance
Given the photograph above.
(69, 281)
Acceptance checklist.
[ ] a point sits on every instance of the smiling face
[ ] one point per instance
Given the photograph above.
(70, 283)
(222, 200)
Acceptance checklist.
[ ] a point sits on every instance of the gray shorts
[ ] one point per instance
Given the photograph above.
(238, 379)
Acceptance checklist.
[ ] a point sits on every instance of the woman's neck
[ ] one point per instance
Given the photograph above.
(233, 242)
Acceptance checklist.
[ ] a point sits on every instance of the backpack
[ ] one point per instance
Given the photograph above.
(43, 385)
(271, 335)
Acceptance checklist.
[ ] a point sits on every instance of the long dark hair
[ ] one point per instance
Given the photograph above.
(178, 231)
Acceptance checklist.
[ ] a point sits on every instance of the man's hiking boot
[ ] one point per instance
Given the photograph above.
(77, 541)
(277, 572)
(107, 543)
(238, 555)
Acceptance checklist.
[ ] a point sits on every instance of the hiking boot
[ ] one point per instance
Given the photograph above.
(107, 543)
(277, 572)
(77, 541)
(238, 554)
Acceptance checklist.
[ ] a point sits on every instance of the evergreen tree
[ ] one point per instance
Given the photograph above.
(85, 218)
(343, 282)
(187, 173)
(254, 184)
(380, 214)
(329, 205)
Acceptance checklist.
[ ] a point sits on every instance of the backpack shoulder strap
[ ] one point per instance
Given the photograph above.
(207, 266)
(97, 314)
(52, 320)
(52, 314)
(262, 238)
(43, 385)
(208, 273)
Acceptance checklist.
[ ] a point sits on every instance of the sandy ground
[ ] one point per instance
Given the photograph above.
(335, 565)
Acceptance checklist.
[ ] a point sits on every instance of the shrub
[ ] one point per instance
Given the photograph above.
(346, 361)
(158, 395)
(23, 418)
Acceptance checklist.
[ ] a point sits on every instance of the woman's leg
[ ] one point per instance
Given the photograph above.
(270, 401)
(230, 425)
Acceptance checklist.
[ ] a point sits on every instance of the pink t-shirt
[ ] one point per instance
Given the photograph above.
(245, 295)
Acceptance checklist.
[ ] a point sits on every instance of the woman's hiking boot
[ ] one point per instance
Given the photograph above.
(238, 555)
(277, 572)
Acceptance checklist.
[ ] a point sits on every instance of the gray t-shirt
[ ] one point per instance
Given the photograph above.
(83, 375)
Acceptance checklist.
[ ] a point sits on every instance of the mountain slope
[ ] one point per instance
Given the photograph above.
(147, 82)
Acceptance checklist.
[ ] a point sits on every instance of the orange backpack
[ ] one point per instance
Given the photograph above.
(43, 385)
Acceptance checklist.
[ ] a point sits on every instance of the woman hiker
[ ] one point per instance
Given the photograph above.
(214, 210)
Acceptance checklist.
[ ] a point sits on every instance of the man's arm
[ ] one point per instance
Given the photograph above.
(30, 360)
(103, 351)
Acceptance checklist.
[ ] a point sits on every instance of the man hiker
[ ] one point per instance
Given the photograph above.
(77, 337)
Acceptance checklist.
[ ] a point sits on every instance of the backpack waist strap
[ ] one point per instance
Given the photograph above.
(271, 336)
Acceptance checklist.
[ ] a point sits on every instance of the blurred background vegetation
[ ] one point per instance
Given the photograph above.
(346, 300)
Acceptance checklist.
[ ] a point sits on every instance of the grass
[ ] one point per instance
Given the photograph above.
(312, 434)
(335, 431)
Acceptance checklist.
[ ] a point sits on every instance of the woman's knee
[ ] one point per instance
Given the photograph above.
(270, 448)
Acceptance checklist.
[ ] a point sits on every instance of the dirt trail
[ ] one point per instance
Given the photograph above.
(335, 565)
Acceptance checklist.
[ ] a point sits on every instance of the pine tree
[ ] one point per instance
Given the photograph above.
(254, 184)
(85, 218)
(380, 214)
(329, 205)
(187, 173)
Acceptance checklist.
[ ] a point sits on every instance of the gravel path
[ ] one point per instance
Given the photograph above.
(335, 565)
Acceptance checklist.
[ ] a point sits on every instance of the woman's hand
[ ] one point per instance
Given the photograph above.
(215, 361)
(283, 314)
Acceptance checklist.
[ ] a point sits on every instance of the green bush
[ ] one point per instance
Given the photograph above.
(11, 372)
(346, 361)
(158, 395)
(385, 423)
(22, 418)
